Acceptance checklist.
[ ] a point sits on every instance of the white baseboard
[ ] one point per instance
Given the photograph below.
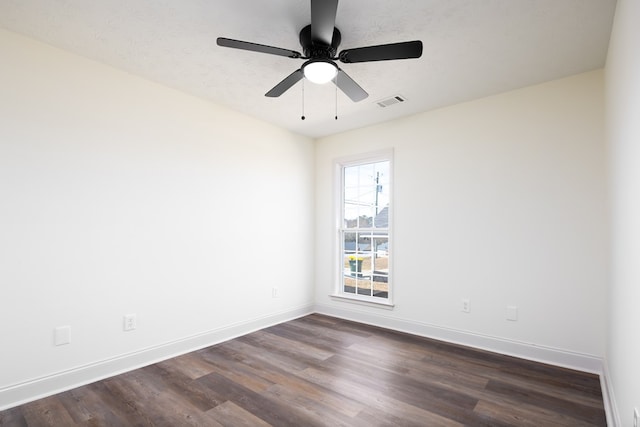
(38, 388)
(549, 355)
(610, 407)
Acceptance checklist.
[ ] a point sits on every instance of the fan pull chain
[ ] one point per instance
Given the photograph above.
(336, 82)
(303, 117)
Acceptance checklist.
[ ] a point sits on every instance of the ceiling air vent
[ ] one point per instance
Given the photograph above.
(388, 102)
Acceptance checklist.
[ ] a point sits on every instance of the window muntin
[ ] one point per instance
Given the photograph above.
(364, 229)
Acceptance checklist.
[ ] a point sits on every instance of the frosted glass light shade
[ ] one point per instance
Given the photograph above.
(320, 72)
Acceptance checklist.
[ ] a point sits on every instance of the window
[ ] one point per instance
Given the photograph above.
(365, 207)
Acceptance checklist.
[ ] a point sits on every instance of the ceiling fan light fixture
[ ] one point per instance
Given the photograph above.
(320, 72)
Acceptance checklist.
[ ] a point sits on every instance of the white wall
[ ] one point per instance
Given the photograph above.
(499, 200)
(623, 126)
(121, 196)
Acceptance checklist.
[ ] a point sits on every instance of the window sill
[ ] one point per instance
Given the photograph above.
(366, 302)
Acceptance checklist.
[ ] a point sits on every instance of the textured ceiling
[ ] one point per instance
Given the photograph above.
(472, 49)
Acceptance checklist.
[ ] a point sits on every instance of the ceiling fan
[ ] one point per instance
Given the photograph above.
(320, 42)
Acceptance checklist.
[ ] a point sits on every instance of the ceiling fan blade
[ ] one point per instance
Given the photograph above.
(255, 47)
(285, 84)
(349, 87)
(323, 20)
(384, 52)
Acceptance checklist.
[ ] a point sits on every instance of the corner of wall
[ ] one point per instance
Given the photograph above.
(608, 398)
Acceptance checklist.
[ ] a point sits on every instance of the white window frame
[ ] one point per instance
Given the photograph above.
(339, 185)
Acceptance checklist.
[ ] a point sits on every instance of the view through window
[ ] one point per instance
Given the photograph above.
(364, 233)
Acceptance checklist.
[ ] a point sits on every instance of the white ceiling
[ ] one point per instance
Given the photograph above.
(472, 49)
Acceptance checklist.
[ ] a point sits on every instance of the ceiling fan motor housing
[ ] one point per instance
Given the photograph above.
(319, 50)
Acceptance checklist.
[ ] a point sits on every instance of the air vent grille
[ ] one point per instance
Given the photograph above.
(388, 102)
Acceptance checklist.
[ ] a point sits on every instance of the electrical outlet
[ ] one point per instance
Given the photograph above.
(636, 416)
(274, 292)
(130, 322)
(62, 335)
(512, 313)
(465, 305)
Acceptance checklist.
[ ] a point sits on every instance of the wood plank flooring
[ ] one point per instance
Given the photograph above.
(322, 371)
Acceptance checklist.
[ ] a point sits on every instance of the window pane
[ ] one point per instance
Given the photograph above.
(364, 287)
(382, 187)
(381, 220)
(365, 219)
(349, 285)
(380, 269)
(381, 170)
(367, 194)
(381, 289)
(364, 243)
(351, 194)
(349, 243)
(365, 173)
(351, 212)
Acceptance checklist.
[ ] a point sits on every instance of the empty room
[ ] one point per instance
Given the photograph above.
(320, 212)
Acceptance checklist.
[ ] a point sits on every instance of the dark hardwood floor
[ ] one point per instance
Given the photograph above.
(319, 370)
